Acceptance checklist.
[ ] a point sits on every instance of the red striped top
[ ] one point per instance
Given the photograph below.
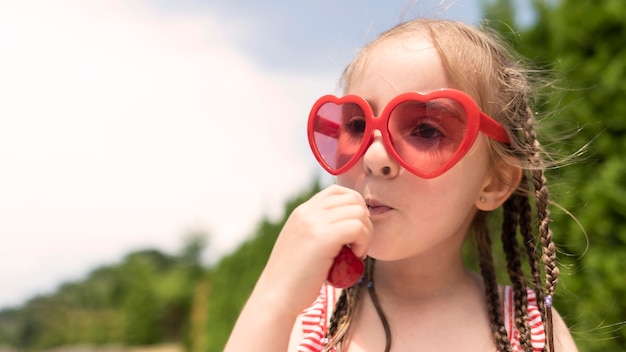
(315, 320)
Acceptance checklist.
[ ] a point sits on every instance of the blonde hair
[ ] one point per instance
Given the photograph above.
(480, 64)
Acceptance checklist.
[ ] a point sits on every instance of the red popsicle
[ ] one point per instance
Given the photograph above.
(346, 270)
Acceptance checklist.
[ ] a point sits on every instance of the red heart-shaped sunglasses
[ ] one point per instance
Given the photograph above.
(425, 133)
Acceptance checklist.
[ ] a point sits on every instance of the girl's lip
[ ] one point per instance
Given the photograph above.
(376, 208)
(373, 203)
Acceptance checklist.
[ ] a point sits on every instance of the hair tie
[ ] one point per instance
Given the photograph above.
(548, 301)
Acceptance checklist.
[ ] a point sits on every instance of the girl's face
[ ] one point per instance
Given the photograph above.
(411, 215)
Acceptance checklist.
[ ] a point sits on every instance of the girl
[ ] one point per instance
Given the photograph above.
(435, 133)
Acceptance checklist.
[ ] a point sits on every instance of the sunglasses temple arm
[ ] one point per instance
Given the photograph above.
(326, 127)
(493, 129)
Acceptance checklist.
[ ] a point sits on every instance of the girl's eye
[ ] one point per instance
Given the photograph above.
(353, 119)
(355, 126)
(426, 131)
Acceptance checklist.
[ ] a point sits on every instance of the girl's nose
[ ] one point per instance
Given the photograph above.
(377, 161)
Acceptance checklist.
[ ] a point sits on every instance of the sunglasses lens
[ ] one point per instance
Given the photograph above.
(338, 132)
(427, 134)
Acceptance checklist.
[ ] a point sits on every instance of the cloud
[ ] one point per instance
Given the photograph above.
(123, 126)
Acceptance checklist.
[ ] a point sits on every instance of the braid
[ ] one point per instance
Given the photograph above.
(485, 261)
(342, 316)
(549, 250)
(338, 317)
(514, 268)
(526, 231)
(543, 215)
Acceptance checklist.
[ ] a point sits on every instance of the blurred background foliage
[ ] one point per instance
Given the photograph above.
(579, 47)
(582, 44)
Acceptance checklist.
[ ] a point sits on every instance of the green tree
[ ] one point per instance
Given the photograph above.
(140, 304)
(193, 247)
(144, 299)
(582, 43)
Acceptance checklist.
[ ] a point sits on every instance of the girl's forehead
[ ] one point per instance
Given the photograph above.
(397, 65)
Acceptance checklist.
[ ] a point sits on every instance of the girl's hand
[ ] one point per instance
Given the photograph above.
(312, 237)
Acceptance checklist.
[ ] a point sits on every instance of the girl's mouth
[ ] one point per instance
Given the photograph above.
(377, 208)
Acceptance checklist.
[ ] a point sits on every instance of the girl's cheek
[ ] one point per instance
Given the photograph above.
(350, 178)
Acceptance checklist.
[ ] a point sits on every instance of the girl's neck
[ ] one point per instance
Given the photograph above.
(421, 280)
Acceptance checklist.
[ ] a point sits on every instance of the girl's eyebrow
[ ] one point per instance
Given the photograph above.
(437, 105)
(448, 107)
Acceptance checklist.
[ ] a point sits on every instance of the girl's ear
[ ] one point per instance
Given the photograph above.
(498, 186)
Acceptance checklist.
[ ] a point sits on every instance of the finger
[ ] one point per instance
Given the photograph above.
(336, 195)
(348, 211)
(354, 232)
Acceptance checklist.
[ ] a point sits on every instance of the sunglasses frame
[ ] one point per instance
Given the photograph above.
(477, 121)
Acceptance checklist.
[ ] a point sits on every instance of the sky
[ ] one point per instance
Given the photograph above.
(128, 124)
